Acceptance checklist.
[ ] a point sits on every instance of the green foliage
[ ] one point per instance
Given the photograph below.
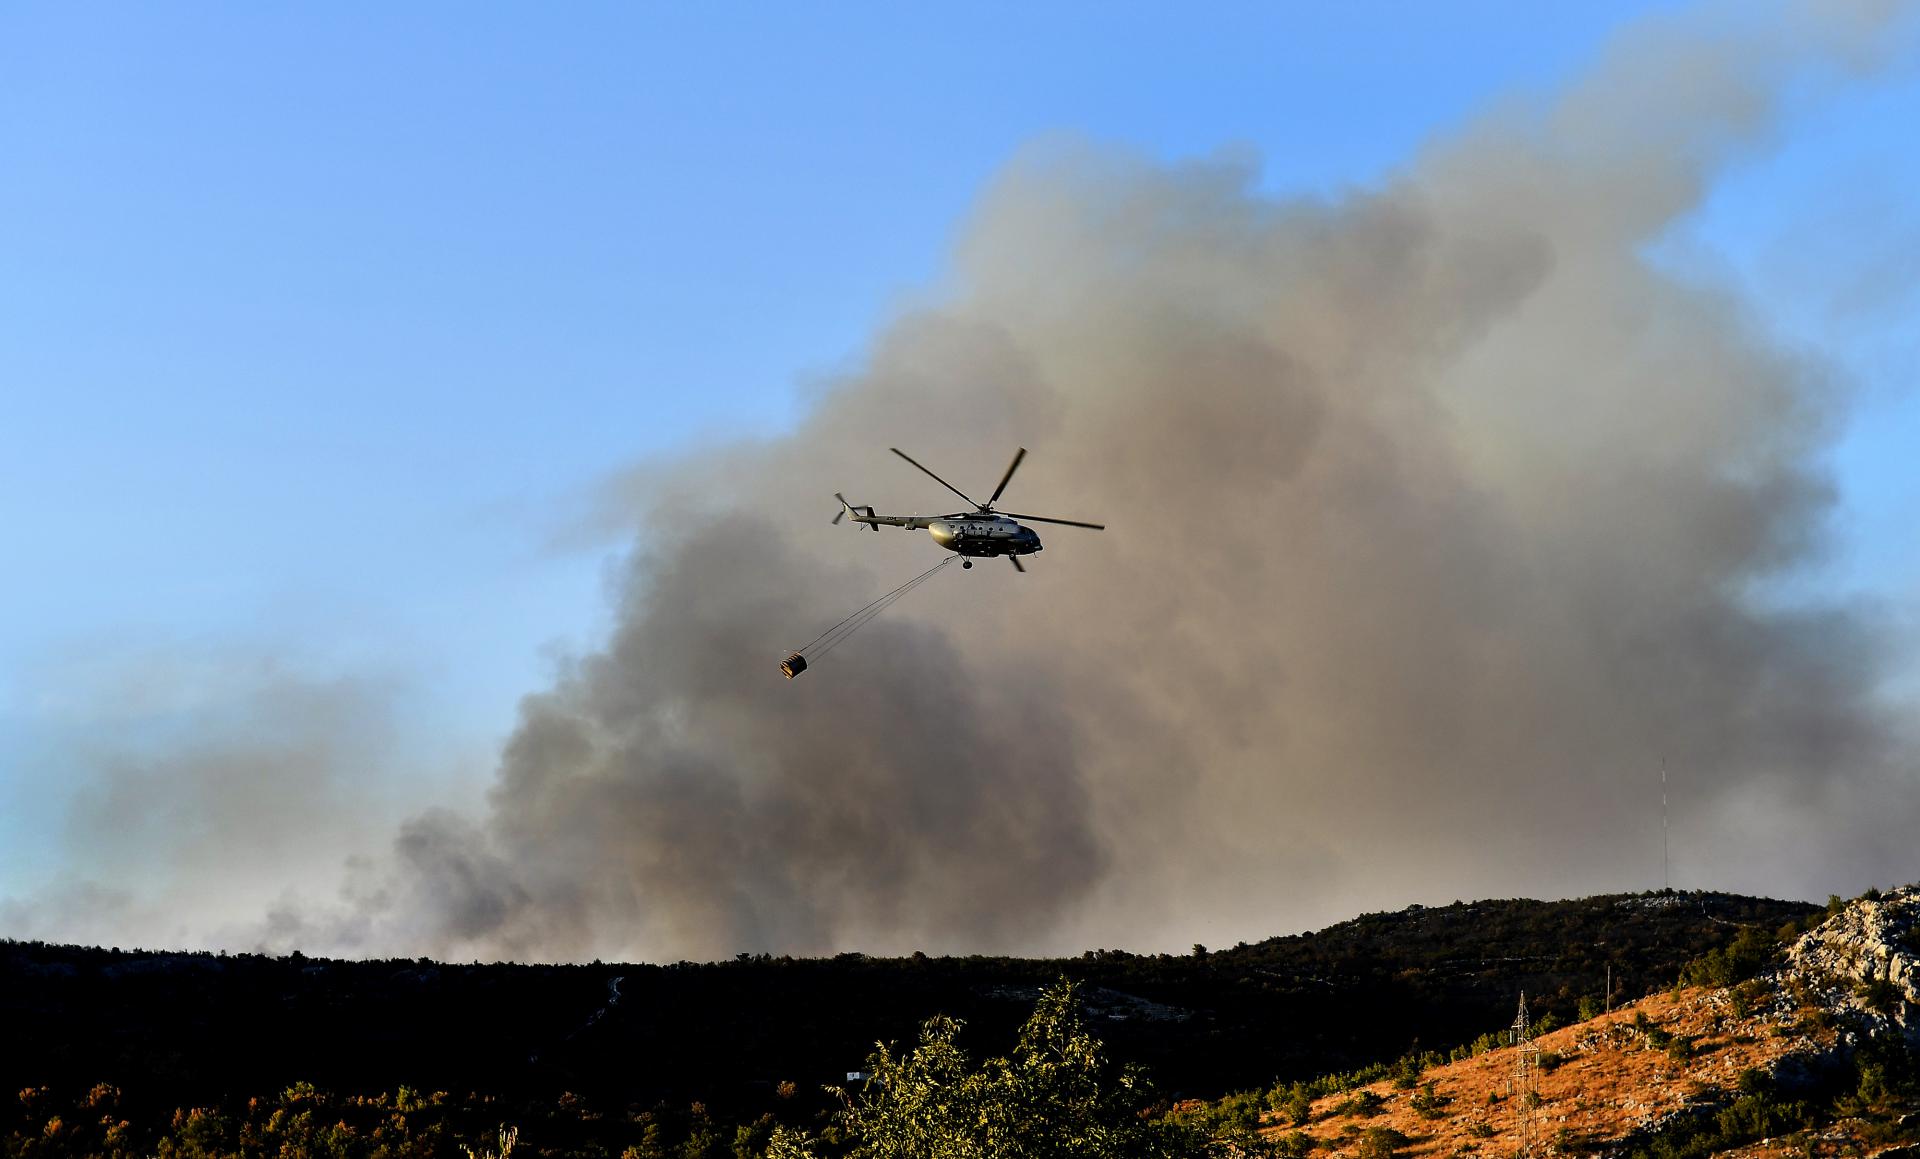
(1680, 1047)
(1429, 1103)
(1237, 1116)
(1295, 1145)
(1297, 1106)
(1344, 1081)
(1056, 1095)
(300, 1121)
(1744, 997)
(1881, 1082)
(1749, 952)
(1749, 1118)
(1591, 1006)
(1657, 1036)
(1380, 1143)
(1363, 1105)
(703, 1139)
(504, 1150)
(1490, 1040)
(1879, 995)
(1888, 1075)
(1407, 1071)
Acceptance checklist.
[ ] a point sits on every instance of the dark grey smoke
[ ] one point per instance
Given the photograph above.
(1440, 518)
(676, 795)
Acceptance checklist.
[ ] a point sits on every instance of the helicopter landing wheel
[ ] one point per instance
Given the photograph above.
(966, 564)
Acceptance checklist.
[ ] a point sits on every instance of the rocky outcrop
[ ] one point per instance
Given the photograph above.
(1863, 964)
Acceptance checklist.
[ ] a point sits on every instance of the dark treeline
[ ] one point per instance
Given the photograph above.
(180, 1029)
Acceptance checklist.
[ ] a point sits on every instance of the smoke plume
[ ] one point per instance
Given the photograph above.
(1440, 518)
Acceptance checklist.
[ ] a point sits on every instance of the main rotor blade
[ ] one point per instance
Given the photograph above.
(1014, 466)
(936, 478)
(1017, 565)
(1048, 519)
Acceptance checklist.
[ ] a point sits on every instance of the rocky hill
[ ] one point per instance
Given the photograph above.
(1862, 963)
(1811, 1056)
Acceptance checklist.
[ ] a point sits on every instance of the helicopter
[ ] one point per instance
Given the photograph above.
(970, 534)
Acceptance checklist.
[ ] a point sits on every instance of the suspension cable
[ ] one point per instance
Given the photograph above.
(830, 639)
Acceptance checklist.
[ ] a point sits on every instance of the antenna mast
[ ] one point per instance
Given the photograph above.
(1666, 876)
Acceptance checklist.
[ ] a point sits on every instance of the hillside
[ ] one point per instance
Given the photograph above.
(1203, 1023)
(1776, 1058)
(675, 1059)
(1603, 1080)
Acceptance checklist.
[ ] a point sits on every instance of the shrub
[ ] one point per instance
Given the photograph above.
(1430, 1103)
(1888, 1072)
(1737, 961)
(1381, 1143)
(1754, 1081)
(1743, 998)
(1879, 995)
(1297, 1145)
(1056, 1094)
(1364, 1105)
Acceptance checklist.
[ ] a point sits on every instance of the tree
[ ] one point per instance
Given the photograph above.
(1056, 1097)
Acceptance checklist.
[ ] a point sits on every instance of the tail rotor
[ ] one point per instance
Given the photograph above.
(847, 509)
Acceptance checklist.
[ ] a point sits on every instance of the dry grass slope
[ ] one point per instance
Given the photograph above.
(1614, 1075)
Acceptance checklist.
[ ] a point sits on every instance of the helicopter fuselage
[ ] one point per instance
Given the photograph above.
(983, 535)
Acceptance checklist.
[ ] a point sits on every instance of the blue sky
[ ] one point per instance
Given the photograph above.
(320, 323)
